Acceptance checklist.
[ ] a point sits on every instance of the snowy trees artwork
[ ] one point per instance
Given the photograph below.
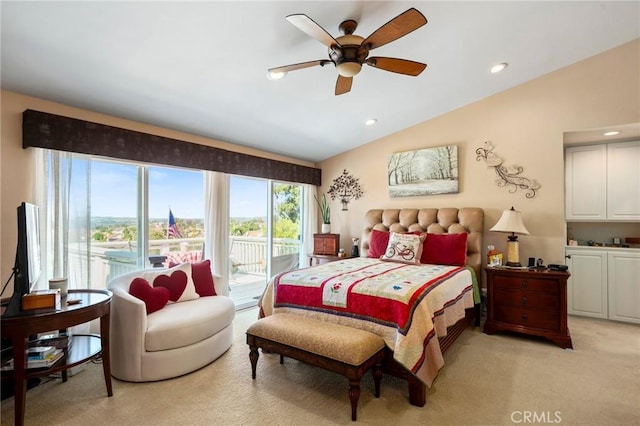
(426, 171)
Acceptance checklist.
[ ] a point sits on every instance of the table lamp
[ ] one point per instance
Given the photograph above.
(511, 222)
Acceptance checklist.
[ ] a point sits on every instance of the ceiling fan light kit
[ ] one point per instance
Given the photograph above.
(276, 75)
(498, 67)
(349, 52)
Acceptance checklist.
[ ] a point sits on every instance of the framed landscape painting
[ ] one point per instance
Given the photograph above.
(426, 171)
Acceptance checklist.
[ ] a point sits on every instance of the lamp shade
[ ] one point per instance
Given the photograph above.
(511, 222)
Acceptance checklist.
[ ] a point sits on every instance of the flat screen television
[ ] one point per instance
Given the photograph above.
(27, 267)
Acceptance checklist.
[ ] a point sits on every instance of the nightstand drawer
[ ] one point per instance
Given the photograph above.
(526, 299)
(527, 317)
(524, 283)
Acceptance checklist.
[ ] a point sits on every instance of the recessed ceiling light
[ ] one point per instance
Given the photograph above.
(370, 122)
(498, 67)
(611, 133)
(275, 75)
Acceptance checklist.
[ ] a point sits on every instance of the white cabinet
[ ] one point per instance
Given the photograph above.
(623, 181)
(624, 286)
(587, 285)
(604, 283)
(602, 182)
(586, 182)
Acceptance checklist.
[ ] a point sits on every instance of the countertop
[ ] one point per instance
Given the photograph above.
(634, 247)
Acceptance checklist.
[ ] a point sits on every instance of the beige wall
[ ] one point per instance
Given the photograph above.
(17, 164)
(525, 124)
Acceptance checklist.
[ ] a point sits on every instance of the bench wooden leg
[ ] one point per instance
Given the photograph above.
(253, 356)
(354, 396)
(377, 377)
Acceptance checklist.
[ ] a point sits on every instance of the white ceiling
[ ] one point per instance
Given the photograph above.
(200, 67)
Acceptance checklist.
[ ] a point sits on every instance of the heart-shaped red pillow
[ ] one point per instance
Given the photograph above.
(153, 298)
(175, 283)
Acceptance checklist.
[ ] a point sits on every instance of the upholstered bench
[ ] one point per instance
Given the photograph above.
(344, 350)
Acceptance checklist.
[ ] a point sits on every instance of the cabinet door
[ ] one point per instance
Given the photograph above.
(624, 286)
(587, 285)
(586, 182)
(623, 181)
(318, 245)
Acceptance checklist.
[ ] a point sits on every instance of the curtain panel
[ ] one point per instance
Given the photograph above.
(50, 131)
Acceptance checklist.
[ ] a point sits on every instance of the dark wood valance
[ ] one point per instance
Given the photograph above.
(44, 130)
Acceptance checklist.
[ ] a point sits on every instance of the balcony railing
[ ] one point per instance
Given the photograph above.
(247, 255)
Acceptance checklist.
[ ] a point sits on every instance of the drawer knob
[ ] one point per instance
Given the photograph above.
(524, 317)
(524, 300)
(523, 284)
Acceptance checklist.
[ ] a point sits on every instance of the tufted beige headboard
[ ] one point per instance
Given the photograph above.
(435, 221)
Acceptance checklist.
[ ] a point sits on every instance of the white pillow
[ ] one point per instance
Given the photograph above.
(173, 282)
(405, 248)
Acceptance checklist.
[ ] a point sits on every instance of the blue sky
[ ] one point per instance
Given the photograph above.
(114, 189)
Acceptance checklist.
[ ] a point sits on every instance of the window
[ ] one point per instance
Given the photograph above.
(107, 217)
(181, 193)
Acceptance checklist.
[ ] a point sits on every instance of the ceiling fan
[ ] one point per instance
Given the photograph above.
(349, 52)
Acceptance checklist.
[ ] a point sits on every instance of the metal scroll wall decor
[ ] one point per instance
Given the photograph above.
(345, 187)
(509, 177)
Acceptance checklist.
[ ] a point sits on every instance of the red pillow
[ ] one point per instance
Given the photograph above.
(202, 278)
(154, 298)
(176, 283)
(378, 243)
(445, 249)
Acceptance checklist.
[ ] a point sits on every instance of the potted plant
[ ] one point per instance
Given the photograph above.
(325, 213)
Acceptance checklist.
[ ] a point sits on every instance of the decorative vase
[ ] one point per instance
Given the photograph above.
(326, 228)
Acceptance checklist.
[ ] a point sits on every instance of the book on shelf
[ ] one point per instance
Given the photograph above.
(60, 340)
(40, 352)
(46, 362)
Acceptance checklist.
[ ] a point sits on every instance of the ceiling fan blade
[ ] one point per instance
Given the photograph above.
(299, 66)
(310, 27)
(399, 26)
(343, 85)
(400, 66)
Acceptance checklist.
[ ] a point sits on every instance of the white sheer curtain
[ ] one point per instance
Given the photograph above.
(310, 221)
(216, 235)
(65, 212)
(64, 216)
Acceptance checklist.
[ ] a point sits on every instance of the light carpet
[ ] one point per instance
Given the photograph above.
(487, 380)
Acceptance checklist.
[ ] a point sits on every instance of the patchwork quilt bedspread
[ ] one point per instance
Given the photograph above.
(409, 306)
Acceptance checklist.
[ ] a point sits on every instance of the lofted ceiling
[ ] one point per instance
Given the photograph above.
(200, 67)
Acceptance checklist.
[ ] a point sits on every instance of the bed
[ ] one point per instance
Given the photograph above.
(419, 307)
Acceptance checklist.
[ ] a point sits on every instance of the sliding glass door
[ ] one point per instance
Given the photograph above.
(248, 232)
(265, 234)
(287, 227)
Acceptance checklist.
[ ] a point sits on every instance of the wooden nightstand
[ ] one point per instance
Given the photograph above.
(327, 244)
(325, 258)
(533, 302)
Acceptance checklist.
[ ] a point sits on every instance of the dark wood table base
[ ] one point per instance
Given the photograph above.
(94, 304)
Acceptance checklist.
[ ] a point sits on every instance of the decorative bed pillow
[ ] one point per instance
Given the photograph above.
(379, 240)
(177, 280)
(378, 243)
(405, 248)
(445, 249)
(154, 298)
(202, 278)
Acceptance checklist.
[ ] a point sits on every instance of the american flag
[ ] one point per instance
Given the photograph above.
(172, 230)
